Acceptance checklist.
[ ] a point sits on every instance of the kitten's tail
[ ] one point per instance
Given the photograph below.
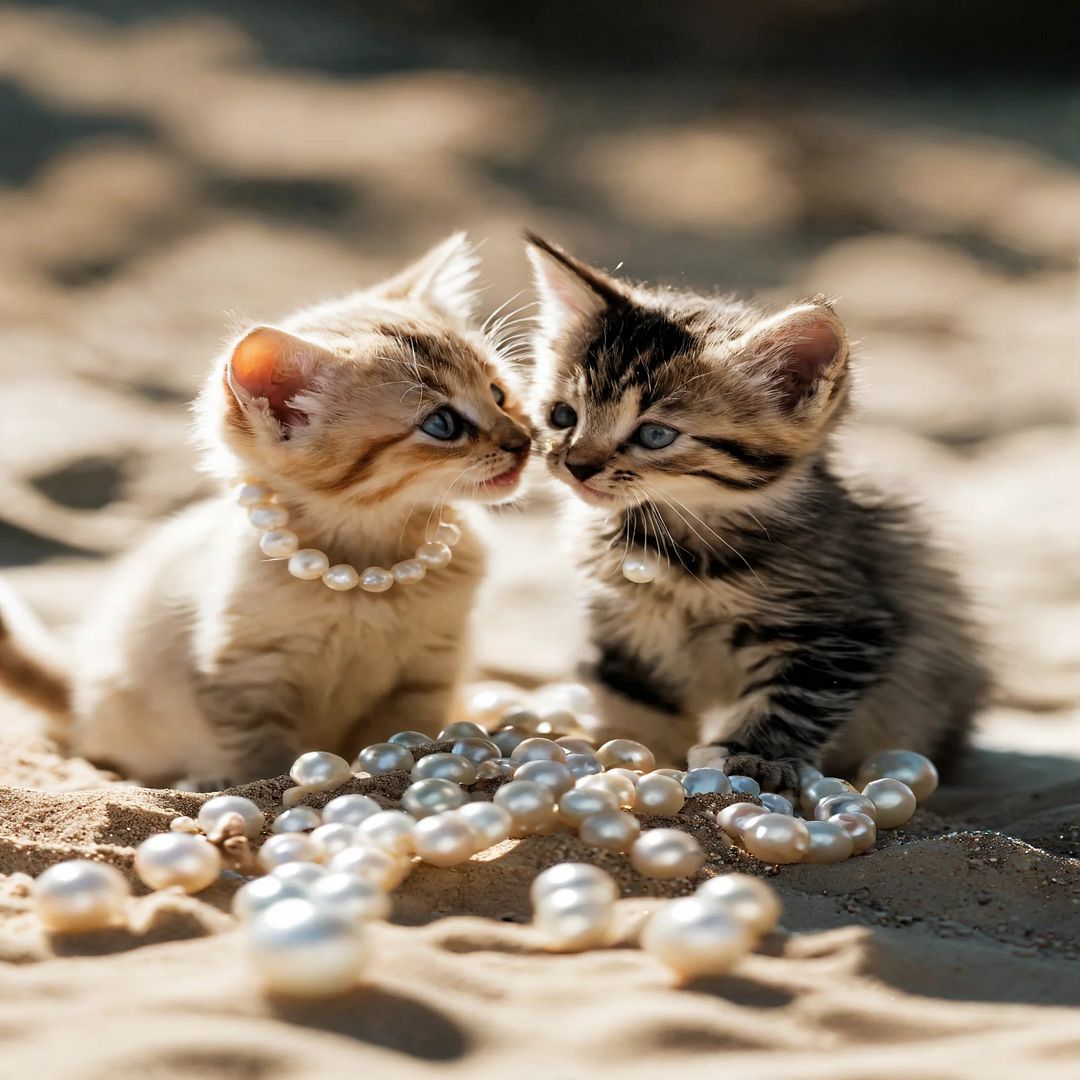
(31, 665)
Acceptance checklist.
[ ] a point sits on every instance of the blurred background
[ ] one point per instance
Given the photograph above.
(164, 165)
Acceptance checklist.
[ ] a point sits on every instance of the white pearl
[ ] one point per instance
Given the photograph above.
(351, 896)
(574, 745)
(490, 821)
(302, 949)
(706, 781)
(626, 754)
(894, 802)
(696, 938)
(308, 564)
(624, 790)
(447, 533)
(659, 795)
(302, 873)
(612, 830)
(382, 758)
(555, 776)
(490, 701)
(776, 838)
(775, 803)
(349, 810)
(576, 805)
(252, 494)
(583, 765)
(675, 774)
(264, 892)
(476, 750)
(375, 579)
(279, 543)
(581, 877)
(80, 895)
(320, 771)
(408, 571)
(572, 696)
(372, 864)
(463, 729)
(268, 517)
(829, 843)
(735, 819)
(496, 769)
(860, 828)
(213, 811)
(445, 839)
(288, 848)
(848, 803)
(434, 554)
(913, 769)
(341, 578)
(748, 898)
(537, 750)
(453, 767)
(167, 859)
(744, 785)
(571, 920)
(411, 739)
(298, 819)
(530, 805)
(667, 853)
(640, 570)
(808, 774)
(816, 790)
(331, 838)
(392, 830)
(432, 796)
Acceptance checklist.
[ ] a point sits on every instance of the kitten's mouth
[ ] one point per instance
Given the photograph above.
(504, 481)
(591, 495)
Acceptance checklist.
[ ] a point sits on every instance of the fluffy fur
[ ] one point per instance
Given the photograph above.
(799, 618)
(208, 664)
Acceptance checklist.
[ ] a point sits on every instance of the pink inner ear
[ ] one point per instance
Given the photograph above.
(263, 365)
(805, 356)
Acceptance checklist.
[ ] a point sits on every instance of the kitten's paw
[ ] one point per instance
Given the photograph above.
(779, 775)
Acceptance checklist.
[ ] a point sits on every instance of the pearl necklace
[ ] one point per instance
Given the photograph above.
(311, 564)
(641, 569)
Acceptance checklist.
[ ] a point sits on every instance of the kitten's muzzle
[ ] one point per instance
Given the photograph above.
(583, 470)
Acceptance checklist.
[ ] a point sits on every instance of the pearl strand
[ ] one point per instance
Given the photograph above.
(311, 564)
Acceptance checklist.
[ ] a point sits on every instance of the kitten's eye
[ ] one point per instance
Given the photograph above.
(562, 416)
(498, 394)
(443, 424)
(655, 436)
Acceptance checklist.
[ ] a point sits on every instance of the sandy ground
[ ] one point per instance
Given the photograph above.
(157, 176)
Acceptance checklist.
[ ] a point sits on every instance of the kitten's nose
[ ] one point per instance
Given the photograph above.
(582, 470)
(516, 442)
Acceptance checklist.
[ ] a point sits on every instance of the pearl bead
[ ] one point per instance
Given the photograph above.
(829, 843)
(476, 750)
(434, 554)
(776, 838)
(808, 774)
(612, 830)
(639, 569)
(463, 729)
(659, 795)
(264, 892)
(579, 803)
(279, 543)
(521, 719)
(776, 804)
(349, 810)
(341, 578)
(490, 701)
(287, 848)
(268, 517)
(583, 765)
(214, 811)
(507, 739)
(408, 571)
(530, 805)
(849, 802)
(693, 937)
(302, 873)
(626, 774)
(382, 758)
(331, 838)
(298, 819)
(445, 839)
(576, 876)
(913, 769)
(375, 579)
(372, 864)
(350, 896)
(860, 828)
(667, 853)
(459, 770)
(302, 949)
(735, 819)
(675, 774)
(447, 533)
(411, 739)
(309, 564)
(496, 769)
(320, 771)
(571, 920)
(744, 785)
(626, 754)
(572, 696)
(818, 789)
(894, 802)
(167, 859)
(432, 796)
(80, 895)
(252, 494)
(624, 791)
(557, 778)
(748, 898)
(490, 821)
(706, 781)
(538, 750)
(392, 830)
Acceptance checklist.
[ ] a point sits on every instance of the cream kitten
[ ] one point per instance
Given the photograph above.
(207, 664)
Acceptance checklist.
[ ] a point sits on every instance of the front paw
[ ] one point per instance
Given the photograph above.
(781, 774)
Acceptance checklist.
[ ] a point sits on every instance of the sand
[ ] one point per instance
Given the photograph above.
(144, 195)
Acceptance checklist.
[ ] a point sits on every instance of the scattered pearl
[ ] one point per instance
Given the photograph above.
(627, 754)
(453, 767)
(80, 895)
(264, 892)
(675, 774)
(660, 795)
(320, 771)
(583, 765)
(302, 873)
(571, 920)
(462, 729)
(829, 843)
(382, 758)
(496, 769)
(578, 804)
(331, 838)
(612, 830)
(489, 701)
(667, 853)
(557, 778)
(736, 818)
(249, 495)
(288, 848)
(411, 739)
(167, 859)
(694, 937)
(574, 744)
(913, 769)
(308, 564)
(640, 569)
(571, 696)
(376, 580)
(434, 554)
(521, 719)
(531, 806)
(744, 785)
(706, 781)
(808, 774)
(624, 791)
(213, 812)
(408, 572)
(538, 750)
(894, 802)
(341, 578)
(302, 949)
(848, 803)
(268, 517)
(776, 838)
(353, 897)
(298, 819)
(748, 898)
(860, 828)
(476, 749)
(372, 864)
(432, 796)
(576, 876)
(776, 804)
(392, 830)
(446, 532)
(279, 543)
(818, 789)
(508, 739)
(446, 839)
(350, 810)
(490, 821)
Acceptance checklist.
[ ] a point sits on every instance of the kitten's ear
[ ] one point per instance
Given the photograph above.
(444, 278)
(571, 292)
(804, 350)
(272, 370)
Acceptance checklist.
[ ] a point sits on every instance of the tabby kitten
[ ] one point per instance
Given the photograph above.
(797, 618)
(370, 417)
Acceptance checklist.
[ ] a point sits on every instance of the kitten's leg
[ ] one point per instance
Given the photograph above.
(423, 698)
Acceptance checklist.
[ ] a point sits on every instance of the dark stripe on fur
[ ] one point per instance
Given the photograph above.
(629, 675)
(747, 455)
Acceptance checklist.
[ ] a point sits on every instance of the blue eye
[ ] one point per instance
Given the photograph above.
(562, 415)
(443, 424)
(655, 436)
(498, 394)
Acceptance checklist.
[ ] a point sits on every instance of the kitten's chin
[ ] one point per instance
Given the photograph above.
(499, 488)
